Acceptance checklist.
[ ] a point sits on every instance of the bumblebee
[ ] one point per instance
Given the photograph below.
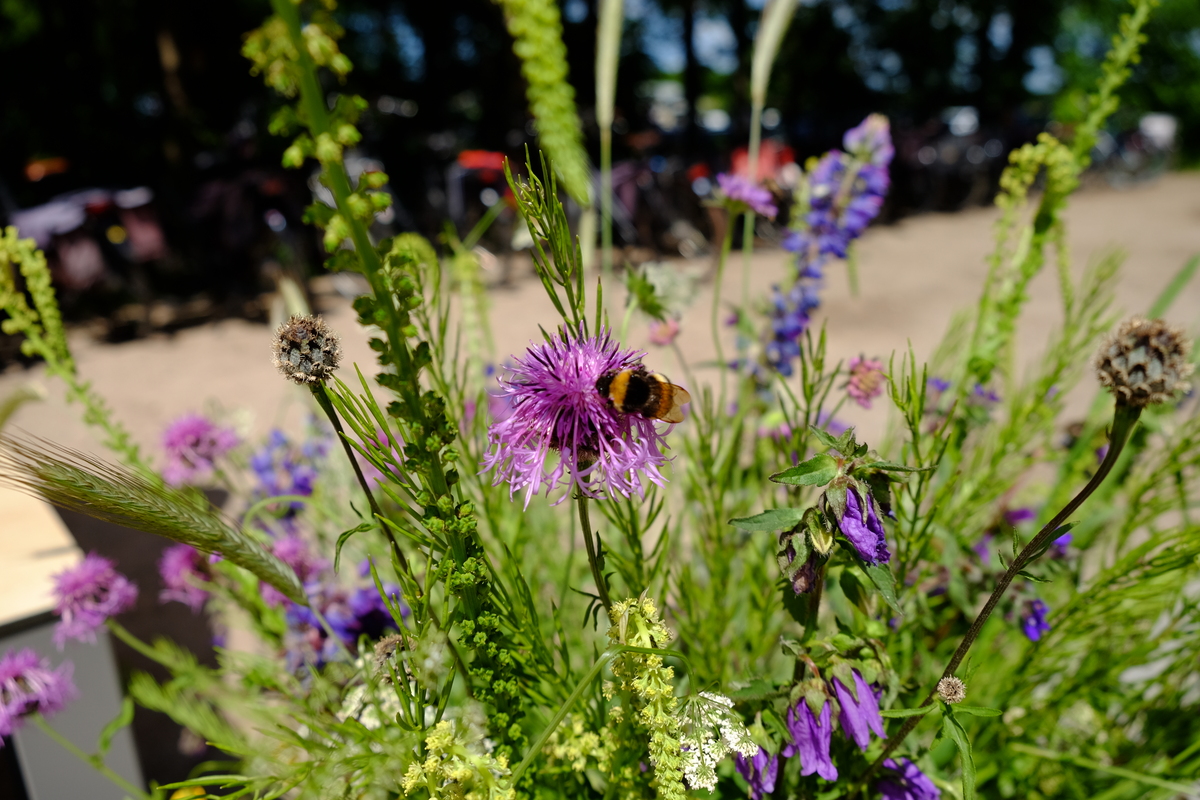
(636, 391)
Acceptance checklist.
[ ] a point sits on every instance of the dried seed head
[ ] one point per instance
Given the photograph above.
(951, 690)
(306, 350)
(1144, 362)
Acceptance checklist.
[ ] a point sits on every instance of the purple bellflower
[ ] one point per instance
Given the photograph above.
(760, 772)
(29, 686)
(181, 568)
(1034, 623)
(859, 717)
(811, 737)
(193, 444)
(904, 781)
(556, 407)
(864, 531)
(744, 194)
(87, 595)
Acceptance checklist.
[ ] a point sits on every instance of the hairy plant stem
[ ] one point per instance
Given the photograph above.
(92, 761)
(726, 246)
(585, 522)
(1124, 418)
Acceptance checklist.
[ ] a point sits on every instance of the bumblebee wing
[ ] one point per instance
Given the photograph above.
(679, 397)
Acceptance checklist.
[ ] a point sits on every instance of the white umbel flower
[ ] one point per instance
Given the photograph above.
(712, 730)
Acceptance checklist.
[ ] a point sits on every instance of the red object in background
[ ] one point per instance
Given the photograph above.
(489, 163)
(698, 170)
(772, 156)
(39, 168)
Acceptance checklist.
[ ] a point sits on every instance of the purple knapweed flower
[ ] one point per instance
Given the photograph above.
(866, 380)
(29, 686)
(556, 407)
(193, 444)
(744, 194)
(871, 141)
(790, 315)
(87, 595)
(860, 716)
(811, 737)
(292, 550)
(181, 568)
(759, 771)
(663, 333)
(1034, 623)
(905, 781)
(864, 531)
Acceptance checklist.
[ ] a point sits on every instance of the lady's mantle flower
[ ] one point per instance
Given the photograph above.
(29, 686)
(193, 443)
(760, 772)
(860, 716)
(1034, 623)
(743, 194)
(811, 736)
(905, 781)
(555, 406)
(864, 531)
(1145, 362)
(866, 380)
(182, 570)
(87, 595)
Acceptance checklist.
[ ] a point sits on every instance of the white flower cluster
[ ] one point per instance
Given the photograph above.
(712, 730)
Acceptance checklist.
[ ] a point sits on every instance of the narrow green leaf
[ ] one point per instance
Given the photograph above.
(817, 471)
(891, 466)
(773, 519)
(337, 551)
(1172, 289)
(885, 582)
(899, 713)
(955, 732)
(121, 720)
(1031, 577)
(978, 711)
(758, 689)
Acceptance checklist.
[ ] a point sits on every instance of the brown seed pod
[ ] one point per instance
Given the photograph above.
(951, 690)
(306, 351)
(1144, 362)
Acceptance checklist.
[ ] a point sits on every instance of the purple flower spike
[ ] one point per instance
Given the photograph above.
(740, 189)
(859, 717)
(867, 534)
(906, 782)
(871, 140)
(87, 595)
(193, 444)
(1034, 622)
(810, 738)
(759, 772)
(182, 570)
(556, 407)
(29, 686)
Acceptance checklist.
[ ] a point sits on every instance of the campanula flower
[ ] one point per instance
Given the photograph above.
(859, 715)
(811, 737)
(904, 781)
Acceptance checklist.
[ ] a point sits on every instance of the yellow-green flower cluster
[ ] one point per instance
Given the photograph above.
(572, 745)
(456, 767)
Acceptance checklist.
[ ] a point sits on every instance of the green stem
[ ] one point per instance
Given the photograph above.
(119, 630)
(585, 522)
(92, 761)
(256, 510)
(1124, 420)
(726, 246)
(756, 109)
(606, 200)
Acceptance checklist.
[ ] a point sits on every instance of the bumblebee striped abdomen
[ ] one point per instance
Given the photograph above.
(636, 391)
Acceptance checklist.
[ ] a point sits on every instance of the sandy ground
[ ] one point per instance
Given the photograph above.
(914, 275)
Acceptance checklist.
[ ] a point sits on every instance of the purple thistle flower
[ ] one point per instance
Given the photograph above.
(745, 194)
(292, 550)
(29, 686)
(87, 595)
(760, 772)
(866, 534)
(193, 444)
(866, 380)
(906, 782)
(871, 140)
(181, 568)
(859, 717)
(556, 406)
(811, 737)
(1034, 623)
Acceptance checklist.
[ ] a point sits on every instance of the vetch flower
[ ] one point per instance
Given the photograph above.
(193, 443)
(556, 407)
(760, 772)
(904, 781)
(1145, 362)
(306, 351)
(29, 686)
(864, 530)
(866, 380)
(859, 716)
(181, 568)
(87, 595)
(743, 194)
(811, 737)
(1033, 622)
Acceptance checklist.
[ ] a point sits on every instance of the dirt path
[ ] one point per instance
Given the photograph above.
(913, 275)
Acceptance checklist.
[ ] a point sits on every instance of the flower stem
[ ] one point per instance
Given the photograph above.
(1124, 420)
(756, 109)
(92, 761)
(726, 246)
(122, 633)
(585, 521)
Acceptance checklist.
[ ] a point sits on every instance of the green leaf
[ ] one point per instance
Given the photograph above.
(885, 582)
(1172, 290)
(337, 551)
(955, 732)
(891, 466)
(817, 471)
(121, 720)
(1031, 577)
(898, 713)
(758, 689)
(823, 436)
(773, 519)
(978, 711)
